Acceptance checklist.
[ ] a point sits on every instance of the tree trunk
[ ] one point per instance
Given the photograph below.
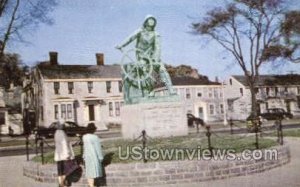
(253, 100)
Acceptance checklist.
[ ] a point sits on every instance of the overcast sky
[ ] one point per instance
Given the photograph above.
(82, 28)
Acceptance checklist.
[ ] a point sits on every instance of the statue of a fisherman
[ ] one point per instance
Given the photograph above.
(147, 43)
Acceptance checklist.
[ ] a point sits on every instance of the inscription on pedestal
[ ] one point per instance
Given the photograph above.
(159, 120)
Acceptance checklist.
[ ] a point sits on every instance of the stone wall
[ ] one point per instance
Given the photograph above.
(167, 172)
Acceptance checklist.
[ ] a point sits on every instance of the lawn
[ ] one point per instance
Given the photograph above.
(289, 132)
(22, 142)
(114, 148)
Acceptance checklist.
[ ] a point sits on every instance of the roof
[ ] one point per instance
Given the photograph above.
(79, 71)
(272, 80)
(180, 81)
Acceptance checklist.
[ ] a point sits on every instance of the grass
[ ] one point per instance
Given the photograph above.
(290, 133)
(15, 142)
(112, 148)
(12, 143)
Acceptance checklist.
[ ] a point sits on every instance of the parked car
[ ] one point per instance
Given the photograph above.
(275, 113)
(71, 129)
(194, 120)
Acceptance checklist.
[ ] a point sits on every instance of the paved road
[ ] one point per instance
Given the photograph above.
(288, 175)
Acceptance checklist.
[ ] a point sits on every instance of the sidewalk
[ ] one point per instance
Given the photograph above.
(11, 174)
(287, 175)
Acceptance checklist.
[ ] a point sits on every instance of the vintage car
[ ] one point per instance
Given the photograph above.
(275, 113)
(71, 128)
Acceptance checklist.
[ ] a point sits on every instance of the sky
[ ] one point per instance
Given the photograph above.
(82, 28)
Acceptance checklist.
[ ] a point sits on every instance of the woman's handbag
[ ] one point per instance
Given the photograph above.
(70, 166)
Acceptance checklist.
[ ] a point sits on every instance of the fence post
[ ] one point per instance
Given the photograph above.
(231, 124)
(256, 134)
(27, 147)
(144, 141)
(280, 131)
(42, 149)
(208, 134)
(36, 144)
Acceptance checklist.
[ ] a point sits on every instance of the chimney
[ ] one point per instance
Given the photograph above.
(216, 79)
(53, 58)
(100, 59)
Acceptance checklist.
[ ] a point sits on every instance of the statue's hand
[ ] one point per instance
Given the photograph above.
(118, 47)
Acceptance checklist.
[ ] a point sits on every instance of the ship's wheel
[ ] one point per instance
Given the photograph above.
(137, 67)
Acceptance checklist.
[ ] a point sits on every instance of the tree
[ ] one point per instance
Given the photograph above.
(251, 31)
(12, 70)
(19, 16)
(183, 71)
(291, 31)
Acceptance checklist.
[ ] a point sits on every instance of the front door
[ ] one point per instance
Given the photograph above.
(91, 112)
(200, 112)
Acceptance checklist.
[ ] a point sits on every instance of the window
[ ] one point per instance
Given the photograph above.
(110, 108)
(267, 91)
(108, 86)
(211, 109)
(63, 111)
(55, 111)
(215, 93)
(256, 90)
(70, 87)
(286, 89)
(181, 92)
(69, 111)
(298, 90)
(199, 94)
(117, 105)
(120, 86)
(298, 101)
(187, 93)
(210, 93)
(90, 86)
(2, 118)
(56, 87)
(222, 108)
(276, 91)
(241, 91)
(42, 113)
(230, 81)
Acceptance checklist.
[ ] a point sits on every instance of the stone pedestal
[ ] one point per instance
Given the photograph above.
(162, 119)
